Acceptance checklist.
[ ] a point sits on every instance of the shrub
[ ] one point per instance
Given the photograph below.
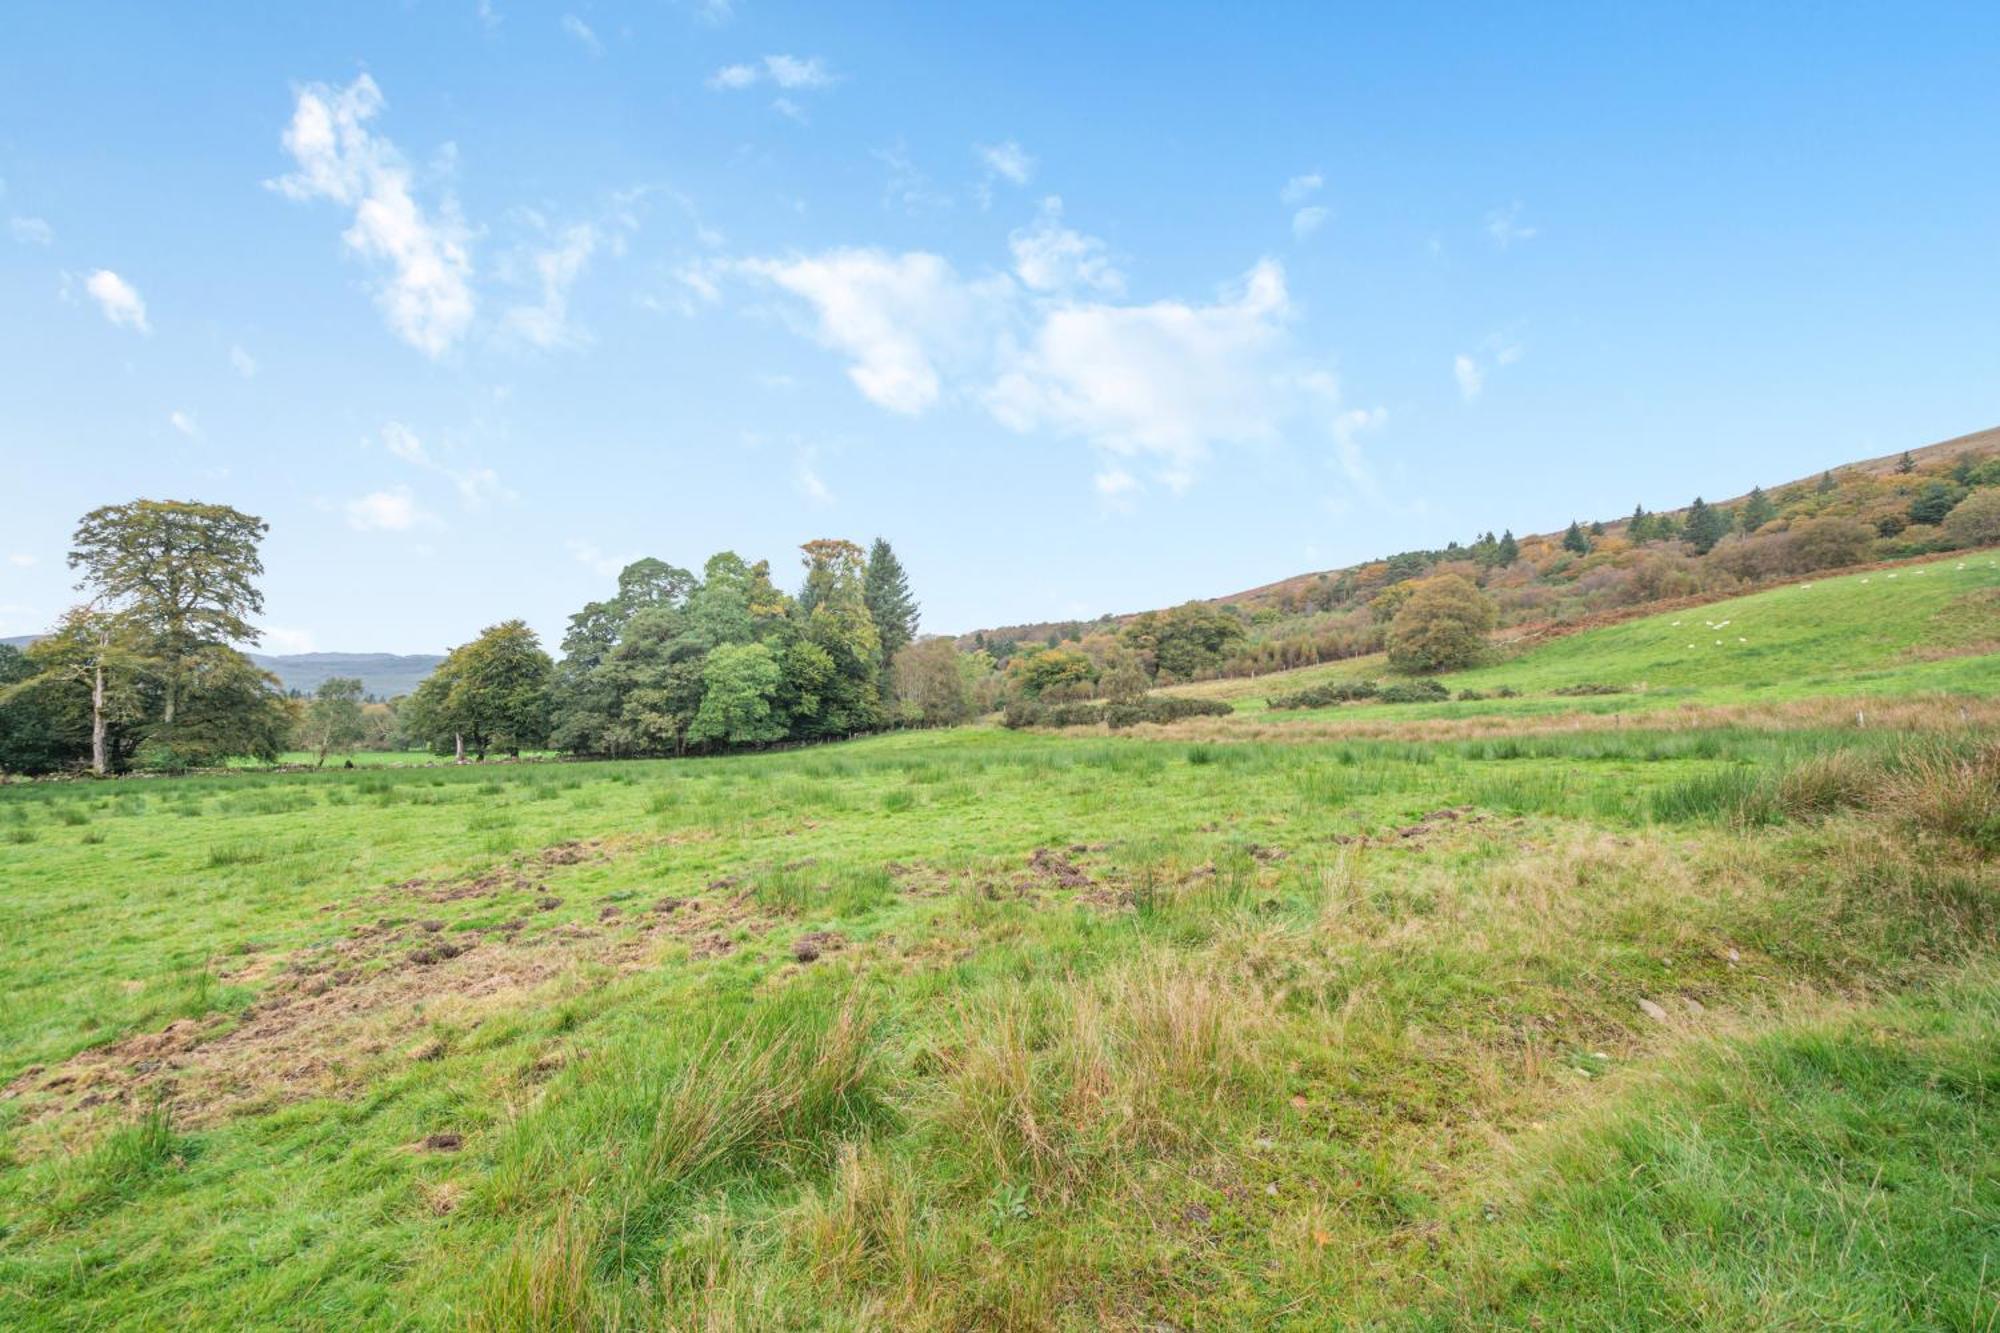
(1413, 692)
(1441, 627)
(1325, 696)
(1827, 543)
(1976, 521)
(1585, 688)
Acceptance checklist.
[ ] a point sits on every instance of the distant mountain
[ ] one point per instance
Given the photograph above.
(382, 675)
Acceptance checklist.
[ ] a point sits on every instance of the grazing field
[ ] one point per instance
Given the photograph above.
(1692, 1022)
(1920, 628)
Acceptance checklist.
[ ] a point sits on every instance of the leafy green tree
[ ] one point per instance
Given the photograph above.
(1757, 509)
(1442, 627)
(332, 721)
(490, 694)
(1704, 526)
(740, 682)
(229, 706)
(886, 590)
(1182, 643)
(184, 572)
(1054, 672)
(92, 679)
(1575, 541)
(930, 690)
(32, 737)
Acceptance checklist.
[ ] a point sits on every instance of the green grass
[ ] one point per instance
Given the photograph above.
(1647, 1027)
(1855, 634)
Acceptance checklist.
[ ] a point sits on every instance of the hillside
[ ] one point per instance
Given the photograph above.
(1923, 627)
(382, 675)
(1938, 498)
(1287, 593)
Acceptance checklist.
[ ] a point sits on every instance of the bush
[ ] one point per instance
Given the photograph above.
(1156, 708)
(1441, 627)
(1413, 692)
(1325, 696)
(1976, 521)
(1585, 688)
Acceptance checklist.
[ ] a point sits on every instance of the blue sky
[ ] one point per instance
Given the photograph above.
(1086, 308)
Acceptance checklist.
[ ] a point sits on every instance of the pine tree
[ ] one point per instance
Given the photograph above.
(1640, 527)
(1704, 527)
(886, 589)
(1574, 540)
(1906, 464)
(1758, 510)
(1596, 528)
(1826, 483)
(1509, 550)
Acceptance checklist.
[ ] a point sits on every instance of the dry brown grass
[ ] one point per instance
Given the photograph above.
(1918, 713)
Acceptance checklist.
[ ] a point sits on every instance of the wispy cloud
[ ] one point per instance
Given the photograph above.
(806, 479)
(1309, 220)
(426, 293)
(185, 424)
(1301, 188)
(794, 73)
(31, 231)
(1505, 227)
(1471, 371)
(580, 32)
(118, 299)
(242, 362)
(1049, 257)
(392, 510)
(1007, 160)
(597, 560)
(1471, 379)
(476, 486)
(22, 560)
(555, 269)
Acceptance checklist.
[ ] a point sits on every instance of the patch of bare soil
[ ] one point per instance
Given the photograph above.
(329, 1020)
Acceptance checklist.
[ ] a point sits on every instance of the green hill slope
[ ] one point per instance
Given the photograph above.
(1923, 627)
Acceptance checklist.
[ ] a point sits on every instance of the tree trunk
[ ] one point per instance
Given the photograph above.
(458, 747)
(97, 721)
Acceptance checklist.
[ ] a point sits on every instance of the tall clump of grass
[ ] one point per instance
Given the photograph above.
(1945, 791)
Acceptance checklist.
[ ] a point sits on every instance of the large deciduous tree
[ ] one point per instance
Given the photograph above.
(1442, 626)
(332, 721)
(490, 694)
(185, 572)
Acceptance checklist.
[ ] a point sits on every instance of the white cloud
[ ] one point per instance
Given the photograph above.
(733, 77)
(1115, 487)
(806, 479)
(895, 317)
(792, 72)
(546, 324)
(1049, 257)
(243, 363)
(581, 34)
(1160, 382)
(715, 13)
(118, 299)
(790, 110)
(31, 231)
(783, 71)
(185, 424)
(21, 560)
(392, 510)
(1007, 160)
(1165, 379)
(278, 639)
(426, 295)
(489, 17)
(1504, 225)
(1471, 379)
(589, 555)
(1309, 220)
(476, 486)
(1300, 188)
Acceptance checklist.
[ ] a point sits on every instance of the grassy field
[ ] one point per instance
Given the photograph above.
(1920, 628)
(1688, 1026)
